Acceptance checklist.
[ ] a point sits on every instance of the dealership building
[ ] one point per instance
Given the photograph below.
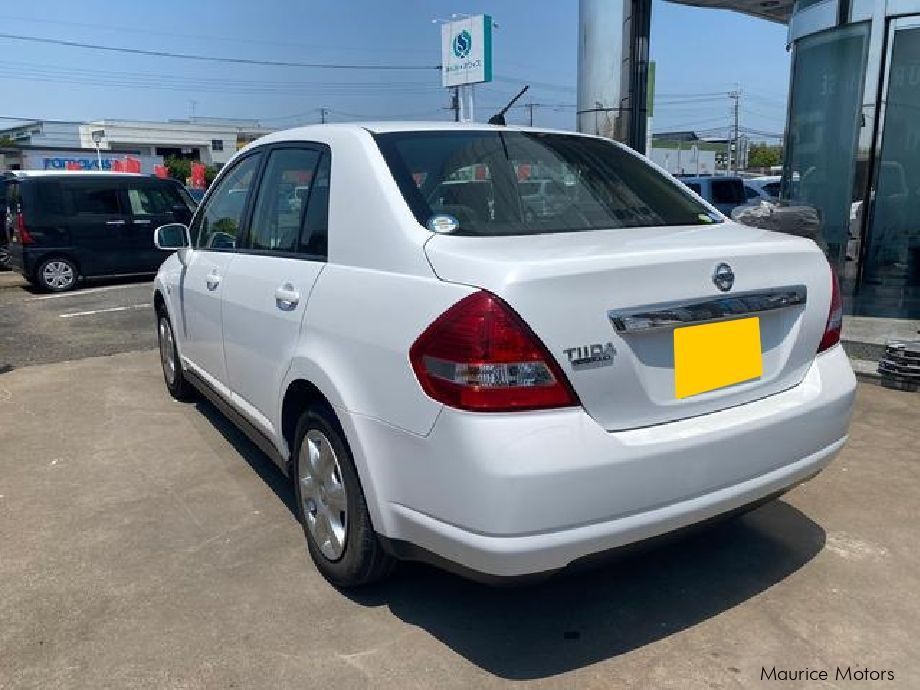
(54, 144)
(852, 141)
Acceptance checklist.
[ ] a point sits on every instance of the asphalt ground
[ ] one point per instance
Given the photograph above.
(103, 318)
(147, 543)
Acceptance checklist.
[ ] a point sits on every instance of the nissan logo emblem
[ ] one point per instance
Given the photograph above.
(723, 277)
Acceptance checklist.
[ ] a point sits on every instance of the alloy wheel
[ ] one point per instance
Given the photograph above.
(322, 494)
(58, 275)
(167, 350)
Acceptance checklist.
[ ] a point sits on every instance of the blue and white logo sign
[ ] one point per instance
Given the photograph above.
(466, 51)
(463, 42)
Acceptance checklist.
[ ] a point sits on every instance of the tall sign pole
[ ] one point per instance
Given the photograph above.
(466, 58)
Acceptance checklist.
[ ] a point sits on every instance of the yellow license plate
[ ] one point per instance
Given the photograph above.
(715, 355)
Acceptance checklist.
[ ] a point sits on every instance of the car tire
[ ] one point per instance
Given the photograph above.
(176, 383)
(331, 505)
(56, 274)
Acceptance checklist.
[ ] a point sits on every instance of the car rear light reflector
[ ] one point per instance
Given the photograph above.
(834, 318)
(21, 232)
(479, 355)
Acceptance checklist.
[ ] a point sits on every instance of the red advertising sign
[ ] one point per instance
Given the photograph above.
(160, 171)
(118, 166)
(132, 165)
(73, 165)
(198, 178)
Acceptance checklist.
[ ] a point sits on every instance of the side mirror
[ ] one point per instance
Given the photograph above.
(173, 237)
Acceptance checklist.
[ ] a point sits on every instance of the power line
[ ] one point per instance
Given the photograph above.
(209, 58)
(206, 37)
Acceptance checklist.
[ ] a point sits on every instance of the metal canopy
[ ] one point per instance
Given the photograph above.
(774, 10)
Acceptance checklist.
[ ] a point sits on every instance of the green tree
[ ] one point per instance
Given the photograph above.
(764, 155)
(179, 169)
(210, 173)
(6, 141)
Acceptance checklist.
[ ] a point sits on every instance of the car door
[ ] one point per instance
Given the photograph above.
(216, 231)
(98, 225)
(152, 203)
(273, 275)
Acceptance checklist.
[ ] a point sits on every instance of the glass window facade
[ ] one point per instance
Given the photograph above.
(824, 122)
(853, 153)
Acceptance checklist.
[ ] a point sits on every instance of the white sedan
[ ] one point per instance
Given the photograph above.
(447, 377)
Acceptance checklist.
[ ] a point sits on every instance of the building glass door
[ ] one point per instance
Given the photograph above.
(891, 261)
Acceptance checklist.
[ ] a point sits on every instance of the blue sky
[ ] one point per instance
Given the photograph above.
(697, 52)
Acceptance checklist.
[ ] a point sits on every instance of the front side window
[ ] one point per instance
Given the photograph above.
(281, 204)
(727, 192)
(218, 224)
(519, 183)
(149, 201)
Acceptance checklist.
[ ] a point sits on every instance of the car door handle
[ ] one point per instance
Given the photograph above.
(115, 222)
(212, 280)
(286, 297)
(141, 222)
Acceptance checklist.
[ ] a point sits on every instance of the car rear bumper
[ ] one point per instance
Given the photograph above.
(510, 495)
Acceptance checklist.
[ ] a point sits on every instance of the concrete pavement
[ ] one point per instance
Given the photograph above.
(102, 318)
(146, 543)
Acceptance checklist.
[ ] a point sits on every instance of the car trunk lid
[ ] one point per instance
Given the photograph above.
(592, 297)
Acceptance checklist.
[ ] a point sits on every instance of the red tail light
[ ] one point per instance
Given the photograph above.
(21, 232)
(479, 355)
(834, 318)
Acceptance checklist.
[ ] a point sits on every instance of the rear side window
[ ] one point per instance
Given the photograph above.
(750, 193)
(89, 199)
(772, 188)
(518, 183)
(314, 236)
(283, 198)
(727, 192)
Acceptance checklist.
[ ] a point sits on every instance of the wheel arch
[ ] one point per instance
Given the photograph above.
(303, 390)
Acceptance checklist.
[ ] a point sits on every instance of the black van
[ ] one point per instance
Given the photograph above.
(65, 226)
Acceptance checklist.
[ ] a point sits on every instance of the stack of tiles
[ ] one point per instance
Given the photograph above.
(900, 367)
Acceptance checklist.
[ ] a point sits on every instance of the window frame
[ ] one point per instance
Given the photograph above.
(247, 205)
(245, 238)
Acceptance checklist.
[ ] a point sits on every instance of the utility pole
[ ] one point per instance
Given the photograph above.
(736, 97)
(322, 115)
(529, 107)
(455, 102)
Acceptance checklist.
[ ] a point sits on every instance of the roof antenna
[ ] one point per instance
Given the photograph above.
(499, 117)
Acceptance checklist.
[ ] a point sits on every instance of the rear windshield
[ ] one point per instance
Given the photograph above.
(519, 183)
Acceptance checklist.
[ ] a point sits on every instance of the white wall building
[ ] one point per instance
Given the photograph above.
(211, 141)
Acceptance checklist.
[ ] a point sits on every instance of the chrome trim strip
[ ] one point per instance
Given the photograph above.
(705, 310)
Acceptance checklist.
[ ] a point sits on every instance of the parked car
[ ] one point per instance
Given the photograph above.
(196, 193)
(66, 226)
(543, 198)
(765, 188)
(499, 394)
(722, 191)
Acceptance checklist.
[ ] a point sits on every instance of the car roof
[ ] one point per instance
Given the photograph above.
(95, 174)
(306, 131)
